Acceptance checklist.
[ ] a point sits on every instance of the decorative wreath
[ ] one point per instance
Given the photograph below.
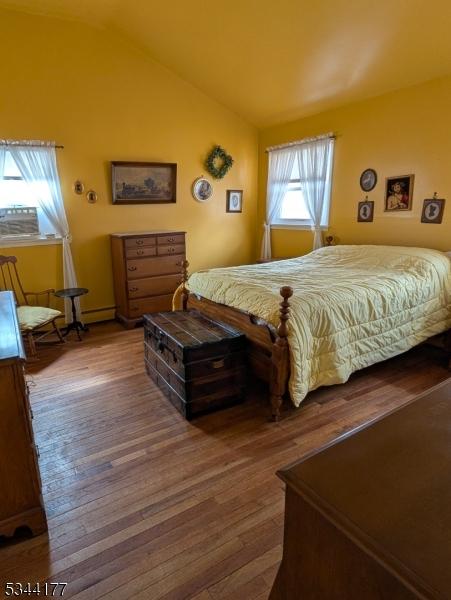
(218, 162)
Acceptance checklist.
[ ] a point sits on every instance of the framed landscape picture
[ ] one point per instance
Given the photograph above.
(143, 182)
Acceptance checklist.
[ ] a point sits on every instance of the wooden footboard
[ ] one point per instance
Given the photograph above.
(268, 350)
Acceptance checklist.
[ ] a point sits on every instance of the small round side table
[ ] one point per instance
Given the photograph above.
(73, 293)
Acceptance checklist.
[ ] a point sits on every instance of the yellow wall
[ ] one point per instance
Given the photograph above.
(404, 132)
(105, 100)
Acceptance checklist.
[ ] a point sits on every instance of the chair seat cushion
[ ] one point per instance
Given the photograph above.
(31, 317)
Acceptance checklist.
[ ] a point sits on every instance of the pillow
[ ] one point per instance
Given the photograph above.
(33, 316)
(448, 254)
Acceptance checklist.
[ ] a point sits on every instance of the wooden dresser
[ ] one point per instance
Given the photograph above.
(146, 270)
(20, 484)
(370, 516)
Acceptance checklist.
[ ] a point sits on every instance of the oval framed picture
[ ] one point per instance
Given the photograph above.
(202, 189)
(79, 187)
(91, 195)
(368, 180)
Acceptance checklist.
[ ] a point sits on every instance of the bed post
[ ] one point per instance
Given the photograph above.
(185, 293)
(280, 359)
(448, 347)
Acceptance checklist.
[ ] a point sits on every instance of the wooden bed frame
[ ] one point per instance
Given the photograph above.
(268, 350)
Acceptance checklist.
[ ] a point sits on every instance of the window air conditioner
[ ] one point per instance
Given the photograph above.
(19, 221)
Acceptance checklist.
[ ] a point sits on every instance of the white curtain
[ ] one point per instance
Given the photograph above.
(280, 167)
(315, 164)
(2, 160)
(36, 162)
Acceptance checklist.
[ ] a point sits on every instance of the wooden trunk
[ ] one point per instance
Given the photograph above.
(198, 363)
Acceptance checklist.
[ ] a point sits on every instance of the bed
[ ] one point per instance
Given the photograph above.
(314, 320)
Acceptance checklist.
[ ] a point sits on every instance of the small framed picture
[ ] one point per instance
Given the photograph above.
(91, 195)
(234, 203)
(365, 213)
(433, 210)
(202, 189)
(79, 188)
(398, 193)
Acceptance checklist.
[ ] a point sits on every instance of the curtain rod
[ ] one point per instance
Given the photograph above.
(303, 141)
(2, 143)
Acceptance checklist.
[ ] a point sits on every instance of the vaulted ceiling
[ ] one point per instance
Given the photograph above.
(273, 61)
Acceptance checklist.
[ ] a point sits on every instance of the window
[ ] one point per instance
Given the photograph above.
(299, 187)
(293, 208)
(17, 193)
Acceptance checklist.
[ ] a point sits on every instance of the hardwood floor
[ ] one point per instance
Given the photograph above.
(142, 504)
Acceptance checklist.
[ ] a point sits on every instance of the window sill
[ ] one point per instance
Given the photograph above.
(10, 242)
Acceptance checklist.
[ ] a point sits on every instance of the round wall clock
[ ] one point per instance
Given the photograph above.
(368, 180)
(202, 189)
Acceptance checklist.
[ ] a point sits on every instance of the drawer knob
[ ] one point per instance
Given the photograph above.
(140, 252)
(139, 242)
(171, 239)
(133, 289)
(132, 268)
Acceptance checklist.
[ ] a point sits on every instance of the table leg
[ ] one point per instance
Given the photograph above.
(74, 312)
(77, 325)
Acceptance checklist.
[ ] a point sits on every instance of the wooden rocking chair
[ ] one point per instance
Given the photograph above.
(32, 316)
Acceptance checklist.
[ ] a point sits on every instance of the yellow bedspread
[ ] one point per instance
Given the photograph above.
(352, 306)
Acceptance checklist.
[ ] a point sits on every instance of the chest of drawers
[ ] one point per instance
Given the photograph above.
(146, 272)
(369, 516)
(20, 484)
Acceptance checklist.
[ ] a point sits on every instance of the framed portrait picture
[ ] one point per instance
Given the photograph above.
(433, 210)
(234, 202)
(398, 193)
(365, 213)
(143, 182)
(202, 189)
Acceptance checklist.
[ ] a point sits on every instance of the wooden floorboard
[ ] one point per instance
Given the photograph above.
(142, 504)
